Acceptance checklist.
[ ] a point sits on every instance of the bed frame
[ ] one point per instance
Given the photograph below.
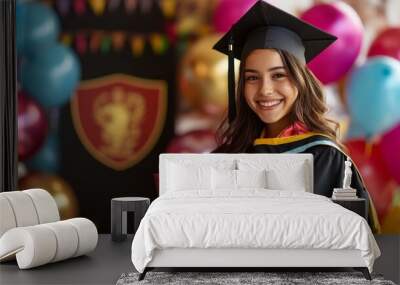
(244, 259)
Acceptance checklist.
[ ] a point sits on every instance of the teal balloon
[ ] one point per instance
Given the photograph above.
(47, 159)
(51, 76)
(37, 27)
(374, 95)
(355, 132)
(20, 15)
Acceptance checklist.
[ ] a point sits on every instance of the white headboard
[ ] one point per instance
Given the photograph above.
(225, 158)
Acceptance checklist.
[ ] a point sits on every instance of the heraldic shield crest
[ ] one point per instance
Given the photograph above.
(119, 118)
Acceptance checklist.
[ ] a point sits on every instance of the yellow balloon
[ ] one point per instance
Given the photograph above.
(58, 188)
(203, 75)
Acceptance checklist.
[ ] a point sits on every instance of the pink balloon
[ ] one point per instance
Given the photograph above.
(341, 20)
(32, 126)
(390, 149)
(386, 43)
(228, 12)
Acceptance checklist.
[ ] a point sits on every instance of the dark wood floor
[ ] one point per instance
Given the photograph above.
(110, 260)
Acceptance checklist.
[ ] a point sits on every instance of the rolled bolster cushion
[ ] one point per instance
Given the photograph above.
(40, 244)
(33, 246)
(7, 218)
(67, 240)
(23, 208)
(45, 205)
(87, 235)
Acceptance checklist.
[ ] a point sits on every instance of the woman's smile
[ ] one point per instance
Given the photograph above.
(270, 104)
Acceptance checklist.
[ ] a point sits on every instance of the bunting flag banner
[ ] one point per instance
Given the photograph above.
(98, 7)
(119, 118)
(116, 41)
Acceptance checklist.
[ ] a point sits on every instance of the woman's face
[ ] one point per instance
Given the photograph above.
(267, 87)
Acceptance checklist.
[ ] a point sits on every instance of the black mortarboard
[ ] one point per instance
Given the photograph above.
(265, 26)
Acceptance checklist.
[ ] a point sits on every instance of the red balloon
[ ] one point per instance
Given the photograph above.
(379, 183)
(386, 43)
(198, 141)
(390, 146)
(32, 126)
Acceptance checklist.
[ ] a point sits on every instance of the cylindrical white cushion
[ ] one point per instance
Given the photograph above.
(87, 234)
(34, 245)
(45, 243)
(23, 208)
(45, 205)
(67, 239)
(7, 218)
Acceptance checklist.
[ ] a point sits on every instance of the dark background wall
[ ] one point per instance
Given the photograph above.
(95, 183)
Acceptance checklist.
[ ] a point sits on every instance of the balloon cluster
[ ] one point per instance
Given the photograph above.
(372, 95)
(370, 90)
(48, 73)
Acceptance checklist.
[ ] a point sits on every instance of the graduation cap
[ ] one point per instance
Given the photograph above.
(265, 26)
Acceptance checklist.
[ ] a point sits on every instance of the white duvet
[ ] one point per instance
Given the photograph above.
(250, 219)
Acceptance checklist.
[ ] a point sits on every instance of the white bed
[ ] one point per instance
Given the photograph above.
(202, 220)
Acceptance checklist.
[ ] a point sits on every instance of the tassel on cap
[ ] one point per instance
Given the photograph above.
(231, 82)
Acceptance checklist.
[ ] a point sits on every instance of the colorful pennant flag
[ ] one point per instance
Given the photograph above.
(158, 43)
(98, 6)
(80, 43)
(80, 7)
(66, 39)
(95, 41)
(146, 6)
(130, 6)
(113, 4)
(168, 7)
(137, 45)
(118, 40)
(63, 6)
(105, 44)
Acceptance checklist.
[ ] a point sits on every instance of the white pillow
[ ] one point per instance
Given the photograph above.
(223, 179)
(182, 177)
(251, 178)
(291, 179)
(282, 174)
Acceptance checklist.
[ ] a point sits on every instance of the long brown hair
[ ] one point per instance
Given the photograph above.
(309, 108)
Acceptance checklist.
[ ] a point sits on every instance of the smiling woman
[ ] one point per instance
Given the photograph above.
(280, 103)
(268, 90)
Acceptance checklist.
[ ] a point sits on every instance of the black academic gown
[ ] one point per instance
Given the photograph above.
(329, 164)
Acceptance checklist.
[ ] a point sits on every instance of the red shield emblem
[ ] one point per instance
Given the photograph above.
(119, 118)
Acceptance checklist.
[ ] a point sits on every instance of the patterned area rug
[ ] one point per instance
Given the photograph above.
(273, 278)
